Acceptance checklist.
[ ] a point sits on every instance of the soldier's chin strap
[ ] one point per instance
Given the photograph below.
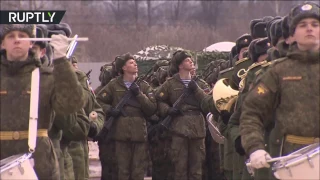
(33, 119)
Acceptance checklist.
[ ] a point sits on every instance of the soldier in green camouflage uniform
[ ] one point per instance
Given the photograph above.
(107, 72)
(129, 131)
(292, 76)
(187, 150)
(258, 53)
(60, 92)
(159, 141)
(79, 150)
(232, 161)
(107, 146)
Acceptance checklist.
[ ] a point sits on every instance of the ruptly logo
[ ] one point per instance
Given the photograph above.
(31, 17)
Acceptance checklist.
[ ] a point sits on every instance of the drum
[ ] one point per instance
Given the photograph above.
(17, 167)
(304, 165)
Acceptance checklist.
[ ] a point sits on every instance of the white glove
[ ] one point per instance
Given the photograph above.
(60, 46)
(258, 159)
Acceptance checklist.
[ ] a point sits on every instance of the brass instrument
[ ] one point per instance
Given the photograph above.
(223, 95)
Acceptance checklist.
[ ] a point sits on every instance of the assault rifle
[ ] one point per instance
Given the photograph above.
(166, 122)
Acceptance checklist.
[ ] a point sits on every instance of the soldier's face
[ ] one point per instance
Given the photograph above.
(187, 64)
(307, 34)
(130, 67)
(39, 53)
(17, 50)
(262, 57)
(242, 51)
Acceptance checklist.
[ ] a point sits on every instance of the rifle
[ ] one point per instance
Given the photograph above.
(168, 120)
(88, 76)
(107, 125)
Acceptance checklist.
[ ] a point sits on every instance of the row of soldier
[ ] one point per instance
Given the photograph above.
(178, 151)
(266, 46)
(275, 111)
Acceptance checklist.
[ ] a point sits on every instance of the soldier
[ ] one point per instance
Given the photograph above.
(107, 72)
(160, 141)
(129, 129)
(258, 54)
(292, 76)
(188, 125)
(40, 47)
(107, 146)
(74, 127)
(17, 63)
(78, 149)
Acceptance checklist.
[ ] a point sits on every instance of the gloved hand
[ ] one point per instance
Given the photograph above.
(173, 111)
(258, 159)
(93, 130)
(134, 88)
(60, 46)
(193, 86)
(238, 146)
(225, 116)
(114, 112)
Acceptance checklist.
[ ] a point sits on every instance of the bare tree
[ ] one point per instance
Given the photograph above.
(176, 11)
(136, 11)
(149, 15)
(211, 11)
(10, 5)
(36, 5)
(116, 9)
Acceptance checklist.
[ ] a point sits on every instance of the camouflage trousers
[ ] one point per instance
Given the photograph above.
(107, 159)
(79, 151)
(187, 156)
(212, 168)
(66, 166)
(162, 167)
(46, 168)
(131, 158)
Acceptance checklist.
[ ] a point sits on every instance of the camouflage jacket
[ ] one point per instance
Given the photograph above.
(60, 92)
(130, 126)
(191, 125)
(289, 90)
(91, 104)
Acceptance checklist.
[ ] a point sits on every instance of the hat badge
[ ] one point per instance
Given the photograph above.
(268, 44)
(306, 7)
(245, 40)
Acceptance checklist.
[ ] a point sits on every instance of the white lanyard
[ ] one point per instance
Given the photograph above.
(33, 116)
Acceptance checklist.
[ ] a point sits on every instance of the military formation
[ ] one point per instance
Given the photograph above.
(262, 102)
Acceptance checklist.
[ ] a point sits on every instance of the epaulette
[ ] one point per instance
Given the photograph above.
(170, 78)
(46, 70)
(113, 79)
(258, 72)
(80, 74)
(241, 60)
(276, 61)
(255, 65)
